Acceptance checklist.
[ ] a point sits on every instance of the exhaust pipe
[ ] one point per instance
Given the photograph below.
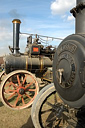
(79, 1)
(79, 13)
(16, 30)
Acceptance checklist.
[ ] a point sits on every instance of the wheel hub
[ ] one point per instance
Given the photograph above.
(21, 91)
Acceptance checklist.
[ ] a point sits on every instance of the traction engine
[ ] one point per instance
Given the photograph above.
(65, 106)
(24, 72)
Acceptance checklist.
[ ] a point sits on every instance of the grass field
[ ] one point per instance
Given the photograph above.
(15, 118)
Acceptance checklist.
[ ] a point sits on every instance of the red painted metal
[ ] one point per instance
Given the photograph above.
(19, 93)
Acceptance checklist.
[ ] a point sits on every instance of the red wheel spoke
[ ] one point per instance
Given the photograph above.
(24, 79)
(32, 90)
(9, 90)
(10, 83)
(28, 85)
(11, 96)
(23, 100)
(14, 84)
(19, 89)
(16, 100)
(18, 80)
(28, 95)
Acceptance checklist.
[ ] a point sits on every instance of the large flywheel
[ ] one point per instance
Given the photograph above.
(19, 89)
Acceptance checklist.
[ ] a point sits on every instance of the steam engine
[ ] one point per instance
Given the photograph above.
(25, 71)
(69, 62)
(36, 58)
(67, 110)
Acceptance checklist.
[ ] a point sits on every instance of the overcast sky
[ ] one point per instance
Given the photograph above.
(44, 17)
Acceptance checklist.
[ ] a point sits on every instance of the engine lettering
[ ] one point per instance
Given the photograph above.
(67, 47)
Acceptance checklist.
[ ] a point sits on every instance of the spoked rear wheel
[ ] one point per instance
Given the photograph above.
(19, 89)
(46, 109)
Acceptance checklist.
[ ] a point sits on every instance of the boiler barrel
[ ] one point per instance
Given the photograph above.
(26, 63)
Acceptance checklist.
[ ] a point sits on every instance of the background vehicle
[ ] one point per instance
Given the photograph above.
(24, 72)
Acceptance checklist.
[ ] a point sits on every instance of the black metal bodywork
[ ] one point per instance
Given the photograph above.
(35, 59)
(32, 64)
(69, 81)
(69, 62)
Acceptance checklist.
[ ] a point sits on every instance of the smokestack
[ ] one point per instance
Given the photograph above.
(79, 14)
(16, 30)
(79, 1)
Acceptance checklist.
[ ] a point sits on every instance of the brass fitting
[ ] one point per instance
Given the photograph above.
(16, 21)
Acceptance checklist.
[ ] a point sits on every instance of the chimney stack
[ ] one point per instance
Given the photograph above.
(79, 14)
(16, 30)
